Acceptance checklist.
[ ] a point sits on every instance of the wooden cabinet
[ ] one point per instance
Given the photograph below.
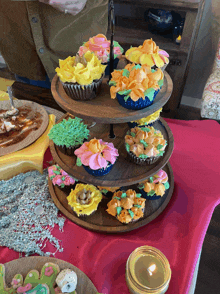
(132, 29)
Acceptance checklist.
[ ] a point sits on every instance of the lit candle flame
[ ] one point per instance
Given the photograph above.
(151, 269)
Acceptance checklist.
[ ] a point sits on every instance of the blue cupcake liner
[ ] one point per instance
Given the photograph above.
(107, 69)
(136, 105)
(144, 194)
(98, 172)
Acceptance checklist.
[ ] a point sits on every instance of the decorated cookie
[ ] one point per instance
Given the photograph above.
(49, 281)
(67, 281)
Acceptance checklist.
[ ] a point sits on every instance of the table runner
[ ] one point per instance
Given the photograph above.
(178, 232)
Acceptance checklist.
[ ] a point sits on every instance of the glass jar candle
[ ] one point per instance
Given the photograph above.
(147, 271)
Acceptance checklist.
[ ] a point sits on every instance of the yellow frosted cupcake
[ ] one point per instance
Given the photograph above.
(148, 54)
(85, 199)
(146, 121)
(81, 77)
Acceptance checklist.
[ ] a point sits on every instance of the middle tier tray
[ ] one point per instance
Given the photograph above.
(124, 172)
(105, 110)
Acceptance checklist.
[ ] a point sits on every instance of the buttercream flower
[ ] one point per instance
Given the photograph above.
(148, 53)
(136, 82)
(125, 205)
(83, 74)
(60, 177)
(57, 180)
(97, 154)
(100, 46)
(91, 206)
(155, 185)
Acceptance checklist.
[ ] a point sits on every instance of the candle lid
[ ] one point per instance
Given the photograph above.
(149, 269)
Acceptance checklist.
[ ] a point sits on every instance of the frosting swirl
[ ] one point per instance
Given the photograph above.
(97, 154)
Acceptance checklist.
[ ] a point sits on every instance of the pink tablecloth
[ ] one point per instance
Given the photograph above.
(178, 232)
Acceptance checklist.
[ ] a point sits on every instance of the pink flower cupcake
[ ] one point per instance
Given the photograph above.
(60, 178)
(101, 48)
(97, 157)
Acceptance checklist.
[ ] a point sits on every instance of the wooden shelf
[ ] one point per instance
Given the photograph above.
(101, 221)
(163, 4)
(130, 31)
(103, 109)
(124, 172)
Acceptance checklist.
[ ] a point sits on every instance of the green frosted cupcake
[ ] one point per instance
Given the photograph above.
(69, 135)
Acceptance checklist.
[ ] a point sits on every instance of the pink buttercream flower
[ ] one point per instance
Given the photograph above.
(57, 180)
(161, 176)
(63, 173)
(97, 154)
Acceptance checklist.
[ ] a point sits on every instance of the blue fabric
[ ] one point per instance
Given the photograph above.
(43, 84)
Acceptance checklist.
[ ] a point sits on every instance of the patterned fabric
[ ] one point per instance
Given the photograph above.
(211, 95)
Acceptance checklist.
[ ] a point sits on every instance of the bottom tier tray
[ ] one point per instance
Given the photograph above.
(101, 221)
(24, 265)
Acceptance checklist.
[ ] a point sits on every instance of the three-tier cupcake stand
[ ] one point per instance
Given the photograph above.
(108, 112)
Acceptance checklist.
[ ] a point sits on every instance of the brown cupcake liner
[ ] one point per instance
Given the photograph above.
(86, 92)
(142, 161)
(67, 150)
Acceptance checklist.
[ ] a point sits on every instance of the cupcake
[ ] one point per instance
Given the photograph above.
(97, 157)
(135, 86)
(148, 54)
(84, 199)
(108, 191)
(81, 77)
(60, 178)
(144, 145)
(69, 134)
(146, 121)
(100, 46)
(126, 206)
(155, 187)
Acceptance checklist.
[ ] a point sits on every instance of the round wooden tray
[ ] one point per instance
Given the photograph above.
(24, 265)
(101, 221)
(34, 135)
(105, 110)
(124, 172)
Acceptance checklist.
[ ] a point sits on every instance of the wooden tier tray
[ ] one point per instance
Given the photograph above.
(124, 172)
(101, 221)
(105, 110)
(24, 265)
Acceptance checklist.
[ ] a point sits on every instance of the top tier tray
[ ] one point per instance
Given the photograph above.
(105, 110)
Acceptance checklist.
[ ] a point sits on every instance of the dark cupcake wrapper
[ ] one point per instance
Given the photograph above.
(86, 92)
(66, 189)
(68, 150)
(136, 105)
(107, 69)
(142, 161)
(144, 194)
(98, 172)
(83, 216)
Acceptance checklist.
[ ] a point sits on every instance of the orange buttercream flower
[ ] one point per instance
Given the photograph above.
(135, 78)
(94, 146)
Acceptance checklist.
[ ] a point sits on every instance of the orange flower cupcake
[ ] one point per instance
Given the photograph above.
(145, 145)
(148, 54)
(136, 86)
(126, 206)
